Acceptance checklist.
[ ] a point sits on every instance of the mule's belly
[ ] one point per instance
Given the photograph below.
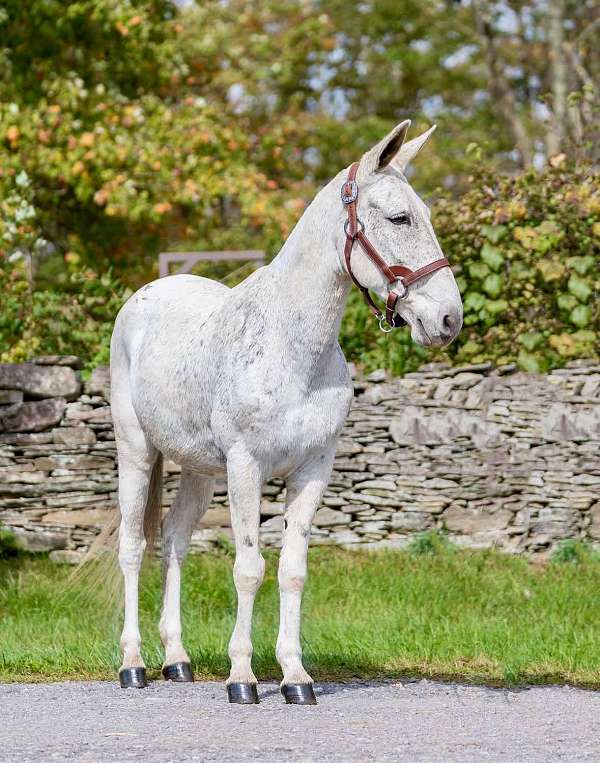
(176, 417)
(193, 447)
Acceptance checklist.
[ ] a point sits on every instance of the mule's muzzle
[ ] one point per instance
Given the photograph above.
(438, 330)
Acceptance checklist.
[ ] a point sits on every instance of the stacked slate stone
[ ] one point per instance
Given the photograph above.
(58, 477)
(492, 456)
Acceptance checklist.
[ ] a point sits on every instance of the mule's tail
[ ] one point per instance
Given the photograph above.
(153, 513)
(99, 569)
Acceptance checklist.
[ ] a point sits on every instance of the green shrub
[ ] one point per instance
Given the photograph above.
(430, 543)
(9, 546)
(573, 552)
(77, 319)
(526, 250)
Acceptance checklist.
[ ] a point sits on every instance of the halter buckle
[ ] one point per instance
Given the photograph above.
(349, 191)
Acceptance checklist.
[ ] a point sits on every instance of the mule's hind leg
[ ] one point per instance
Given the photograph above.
(304, 490)
(135, 475)
(245, 484)
(192, 500)
(140, 494)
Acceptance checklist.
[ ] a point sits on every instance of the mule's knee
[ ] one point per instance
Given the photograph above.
(249, 573)
(291, 578)
(175, 549)
(131, 550)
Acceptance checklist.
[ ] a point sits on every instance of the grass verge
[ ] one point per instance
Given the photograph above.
(478, 617)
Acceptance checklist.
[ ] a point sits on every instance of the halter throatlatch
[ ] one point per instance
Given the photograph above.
(398, 276)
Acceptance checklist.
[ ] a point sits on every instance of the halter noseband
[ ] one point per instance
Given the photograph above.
(395, 274)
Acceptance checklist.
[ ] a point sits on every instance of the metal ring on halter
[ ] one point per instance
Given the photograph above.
(359, 222)
(404, 293)
(383, 324)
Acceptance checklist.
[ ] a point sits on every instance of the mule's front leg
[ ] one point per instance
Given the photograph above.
(304, 491)
(244, 485)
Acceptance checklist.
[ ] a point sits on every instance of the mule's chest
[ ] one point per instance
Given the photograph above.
(319, 417)
(311, 426)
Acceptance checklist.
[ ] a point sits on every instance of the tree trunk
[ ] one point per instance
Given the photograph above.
(556, 134)
(499, 86)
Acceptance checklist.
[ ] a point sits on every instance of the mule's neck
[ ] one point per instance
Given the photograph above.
(310, 283)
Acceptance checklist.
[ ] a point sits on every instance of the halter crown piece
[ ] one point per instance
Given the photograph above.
(399, 276)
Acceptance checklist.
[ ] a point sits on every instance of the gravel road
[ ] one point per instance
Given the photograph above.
(412, 721)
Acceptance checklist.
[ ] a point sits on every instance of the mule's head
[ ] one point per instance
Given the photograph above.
(398, 224)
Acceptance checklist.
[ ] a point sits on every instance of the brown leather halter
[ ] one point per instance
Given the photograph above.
(395, 274)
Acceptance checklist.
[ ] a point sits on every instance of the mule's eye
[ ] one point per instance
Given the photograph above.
(402, 219)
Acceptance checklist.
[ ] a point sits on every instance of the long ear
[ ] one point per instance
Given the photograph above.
(409, 150)
(378, 157)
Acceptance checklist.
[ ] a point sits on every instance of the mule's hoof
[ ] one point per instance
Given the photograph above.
(243, 694)
(299, 694)
(181, 672)
(133, 678)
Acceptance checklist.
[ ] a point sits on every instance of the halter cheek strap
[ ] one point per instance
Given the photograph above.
(399, 276)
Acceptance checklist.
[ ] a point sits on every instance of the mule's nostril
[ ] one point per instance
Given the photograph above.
(452, 318)
(451, 322)
(449, 326)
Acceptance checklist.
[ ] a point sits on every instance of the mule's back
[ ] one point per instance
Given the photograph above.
(181, 299)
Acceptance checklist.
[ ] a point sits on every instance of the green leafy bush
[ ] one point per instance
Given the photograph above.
(527, 251)
(76, 320)
(9, 546)
(431, 543)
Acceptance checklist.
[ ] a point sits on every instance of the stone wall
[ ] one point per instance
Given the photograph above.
(494, 457)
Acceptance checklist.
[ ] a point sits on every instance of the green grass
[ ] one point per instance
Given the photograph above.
(433, 612)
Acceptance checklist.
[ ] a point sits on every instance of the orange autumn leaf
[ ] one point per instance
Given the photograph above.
(162, 207)
(87, 139)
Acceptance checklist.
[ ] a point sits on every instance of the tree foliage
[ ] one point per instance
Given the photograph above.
(122, 155)
(76, 320)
